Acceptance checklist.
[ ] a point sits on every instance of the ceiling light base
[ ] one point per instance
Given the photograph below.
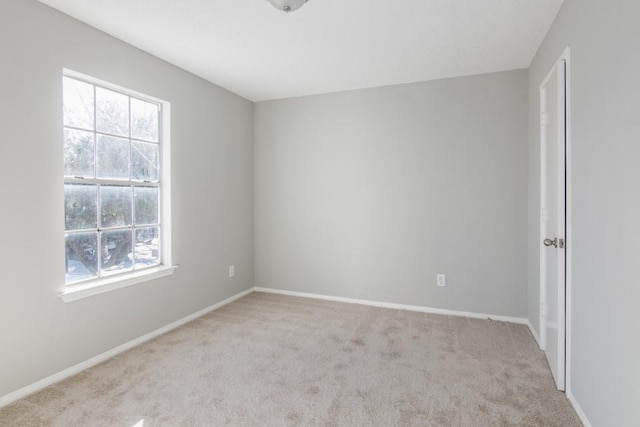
(287, 5)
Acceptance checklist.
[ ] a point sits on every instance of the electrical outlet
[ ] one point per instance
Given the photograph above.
(232, 271)
(441, 280)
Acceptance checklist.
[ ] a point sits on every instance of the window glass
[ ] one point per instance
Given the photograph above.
(147, 246)
(144, 120)
(146, 205)
(112, 181)
(80, 209)
(116, 251)
(113, 157)
(115, 206)
(79, 153)
(81, 256)
(78, 104)
(145, 160)
(112, 112)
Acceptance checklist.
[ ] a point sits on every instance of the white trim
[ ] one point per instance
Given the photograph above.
(165, 189)
(108, 284)
(73, 370)
(534, 333)
(564, 270)
(568, 227)
(421, 309)
(67, 72)
(578, 409)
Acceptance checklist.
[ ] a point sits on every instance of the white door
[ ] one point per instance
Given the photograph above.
(553, 220)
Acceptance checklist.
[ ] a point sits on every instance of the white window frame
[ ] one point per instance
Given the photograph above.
(91, 287)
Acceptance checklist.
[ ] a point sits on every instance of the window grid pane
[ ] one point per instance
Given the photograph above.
(112, 112)
(144, 120)
(81, 257)
(145, 158)
(147, 250)
(80, 209)
(78, 105)
(79, 150)
(113, 155)
(115, 206)
(116, 251)
(110, 137)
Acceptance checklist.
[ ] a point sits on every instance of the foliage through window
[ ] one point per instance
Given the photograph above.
(111, 181)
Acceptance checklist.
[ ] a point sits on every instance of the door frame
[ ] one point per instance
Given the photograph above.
(566, 58)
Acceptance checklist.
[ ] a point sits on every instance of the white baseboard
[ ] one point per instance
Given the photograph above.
(534, 333)
(578, 409)
(421, 309)
(73, 370)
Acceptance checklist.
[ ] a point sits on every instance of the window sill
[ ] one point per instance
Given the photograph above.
(108, 284)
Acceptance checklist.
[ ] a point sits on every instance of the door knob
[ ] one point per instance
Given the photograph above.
(556, 243)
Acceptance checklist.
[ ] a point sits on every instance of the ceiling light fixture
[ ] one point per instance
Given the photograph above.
(287, 5)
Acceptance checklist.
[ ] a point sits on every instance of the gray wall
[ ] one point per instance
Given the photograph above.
(604, 37)
(212, 195)
(368, 194)
(364, 194)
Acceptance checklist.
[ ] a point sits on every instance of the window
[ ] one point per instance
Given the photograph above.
(113, 181)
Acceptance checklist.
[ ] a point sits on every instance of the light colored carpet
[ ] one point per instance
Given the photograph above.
(269, 360)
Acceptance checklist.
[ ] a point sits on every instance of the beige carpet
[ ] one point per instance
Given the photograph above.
(268, 360)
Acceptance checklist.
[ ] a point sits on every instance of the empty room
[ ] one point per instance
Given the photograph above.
(320, 213)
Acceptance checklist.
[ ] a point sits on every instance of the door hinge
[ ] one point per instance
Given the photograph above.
(543, 309)
(544, 118)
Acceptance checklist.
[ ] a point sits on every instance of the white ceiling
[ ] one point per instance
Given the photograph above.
(260, 53)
